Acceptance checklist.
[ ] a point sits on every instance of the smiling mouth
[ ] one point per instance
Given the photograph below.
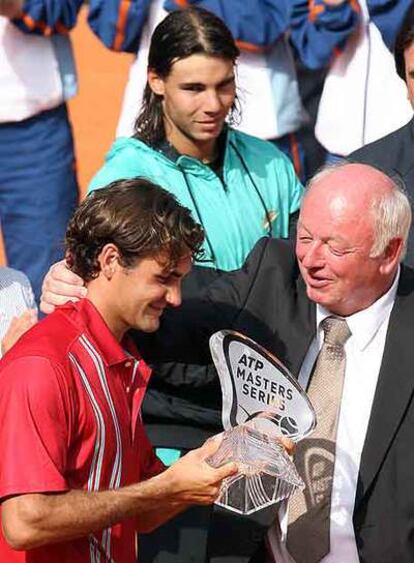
(210, 125)
(217, 121)
(157, 310)
(317, 282)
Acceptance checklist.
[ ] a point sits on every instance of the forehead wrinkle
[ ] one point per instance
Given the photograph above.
(332, 237)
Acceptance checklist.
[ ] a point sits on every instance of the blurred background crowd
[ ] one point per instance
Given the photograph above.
(316, 77)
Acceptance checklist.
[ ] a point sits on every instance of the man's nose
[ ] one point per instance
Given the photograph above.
(174, 296)
(313, 256)
(212, 101)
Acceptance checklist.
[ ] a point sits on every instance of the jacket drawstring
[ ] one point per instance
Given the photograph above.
(262, 201)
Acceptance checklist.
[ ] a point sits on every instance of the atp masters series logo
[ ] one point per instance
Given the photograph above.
(259, 387)
(255, 385)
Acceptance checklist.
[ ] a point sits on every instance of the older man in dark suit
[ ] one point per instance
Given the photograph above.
(352, 231)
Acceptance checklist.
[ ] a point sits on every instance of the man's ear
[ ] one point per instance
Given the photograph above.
(109, 260)
(392, 255)
(155, 82)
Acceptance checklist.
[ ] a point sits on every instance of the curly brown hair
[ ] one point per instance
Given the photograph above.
(140, 218)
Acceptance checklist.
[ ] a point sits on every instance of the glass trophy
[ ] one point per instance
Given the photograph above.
(261, 402)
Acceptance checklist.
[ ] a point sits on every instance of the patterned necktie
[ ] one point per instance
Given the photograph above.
(309, 510)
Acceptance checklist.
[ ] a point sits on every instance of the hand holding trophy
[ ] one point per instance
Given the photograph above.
(262, 402)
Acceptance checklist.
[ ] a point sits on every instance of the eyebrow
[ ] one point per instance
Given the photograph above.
(169, 273)
(224, 82)
(228, 80)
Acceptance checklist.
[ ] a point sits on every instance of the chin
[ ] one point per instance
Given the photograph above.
(318, 296)
(312, 292)
(148, 326)
(207, 135)
(153, 326)
(333, 305)
(204, 138)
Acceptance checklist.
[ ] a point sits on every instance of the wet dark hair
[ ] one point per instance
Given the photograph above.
(139, 218)
(181, 34)
(403, 40)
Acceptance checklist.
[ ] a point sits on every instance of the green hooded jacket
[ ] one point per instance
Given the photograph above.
(255, 197)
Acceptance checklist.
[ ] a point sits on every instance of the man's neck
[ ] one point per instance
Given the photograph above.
(98, 299)
(204, 151)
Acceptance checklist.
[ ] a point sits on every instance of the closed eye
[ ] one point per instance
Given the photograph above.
(338, 251)
(193, 87)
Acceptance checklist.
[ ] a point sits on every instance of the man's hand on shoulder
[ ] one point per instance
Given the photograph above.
(60, 286)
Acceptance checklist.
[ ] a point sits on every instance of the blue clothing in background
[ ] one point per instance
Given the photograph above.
(38, 191)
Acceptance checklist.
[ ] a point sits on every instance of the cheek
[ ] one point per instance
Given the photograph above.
(300, 252)
(157, 294)
(350, 274)
(410, 91)
(340, 271)
(184, 103)
(227, 100)
(173, 104)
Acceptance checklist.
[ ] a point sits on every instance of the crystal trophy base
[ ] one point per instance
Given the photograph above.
(261, 402)
(266, 473)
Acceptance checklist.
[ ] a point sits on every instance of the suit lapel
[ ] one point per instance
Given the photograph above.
(395, 386)
(301, 329)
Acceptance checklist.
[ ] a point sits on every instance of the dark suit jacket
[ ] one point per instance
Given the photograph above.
(394, 155)
(267, 301)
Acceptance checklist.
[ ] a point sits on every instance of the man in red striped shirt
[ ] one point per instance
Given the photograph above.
(78, 476)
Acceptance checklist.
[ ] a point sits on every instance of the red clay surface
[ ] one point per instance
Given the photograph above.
(94, 112)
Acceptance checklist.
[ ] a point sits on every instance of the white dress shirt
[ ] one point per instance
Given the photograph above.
(37, 72)
(363, 97)
(364, 350)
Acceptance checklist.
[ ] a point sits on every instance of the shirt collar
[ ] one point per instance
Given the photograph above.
(365, 324)
(169, 151)
(112, 351)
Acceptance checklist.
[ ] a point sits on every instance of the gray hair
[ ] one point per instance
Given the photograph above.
(391, 212)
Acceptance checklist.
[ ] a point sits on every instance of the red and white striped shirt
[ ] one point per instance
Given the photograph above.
(70, 398)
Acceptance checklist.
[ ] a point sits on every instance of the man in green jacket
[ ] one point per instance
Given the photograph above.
(238, 187)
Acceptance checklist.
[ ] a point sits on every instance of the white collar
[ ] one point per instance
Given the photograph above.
(365, 324)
